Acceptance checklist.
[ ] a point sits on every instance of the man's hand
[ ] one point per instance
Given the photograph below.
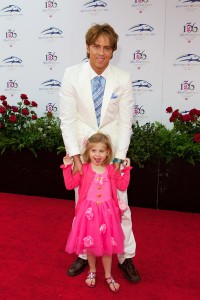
(116, 165)
(77, 164)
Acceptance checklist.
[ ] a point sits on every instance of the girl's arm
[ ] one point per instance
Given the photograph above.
(71, 181)
(122, 178)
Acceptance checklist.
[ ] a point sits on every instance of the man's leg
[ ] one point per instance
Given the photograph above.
(81, 262)
(125, 260)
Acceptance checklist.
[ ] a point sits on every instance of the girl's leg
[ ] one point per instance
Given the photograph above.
(107, 264)
(90, 280)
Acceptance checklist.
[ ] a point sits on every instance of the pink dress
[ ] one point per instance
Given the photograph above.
(96, 228)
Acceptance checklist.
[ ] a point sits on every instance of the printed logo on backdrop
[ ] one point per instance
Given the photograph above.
(12, 87)
(141, 31)
(51, 107)
(190, 31)
(11, 11)
(141, 5)
(139, 59)
(11, 63)
(94, 7)
(11, 37)
(51, 86)
(51, 34)
(51, 60)
(188, 5)
(187, 61)
(141, 86)
(139, 113)
(50, 8)
(187, 89)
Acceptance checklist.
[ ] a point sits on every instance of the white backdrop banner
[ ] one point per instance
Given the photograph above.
(159, 44)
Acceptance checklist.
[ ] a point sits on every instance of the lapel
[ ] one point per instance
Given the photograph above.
(86, 92)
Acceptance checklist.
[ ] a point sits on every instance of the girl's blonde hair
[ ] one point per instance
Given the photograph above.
(98, 138)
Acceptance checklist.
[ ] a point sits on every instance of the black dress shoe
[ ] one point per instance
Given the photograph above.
(130, 271)
(77, 267)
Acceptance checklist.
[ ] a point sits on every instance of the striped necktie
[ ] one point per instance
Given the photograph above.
(98, 85)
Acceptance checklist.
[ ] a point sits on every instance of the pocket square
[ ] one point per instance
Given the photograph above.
(114, 96)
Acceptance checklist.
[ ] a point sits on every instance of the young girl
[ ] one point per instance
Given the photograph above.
(96, 229)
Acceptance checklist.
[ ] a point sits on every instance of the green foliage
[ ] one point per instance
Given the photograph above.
(155, 141)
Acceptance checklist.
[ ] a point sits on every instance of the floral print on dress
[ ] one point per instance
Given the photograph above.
(103, 228)
(113, 242)
(88, 241)
(99, 179)
(89, 213)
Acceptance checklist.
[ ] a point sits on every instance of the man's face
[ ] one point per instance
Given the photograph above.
(100, 54)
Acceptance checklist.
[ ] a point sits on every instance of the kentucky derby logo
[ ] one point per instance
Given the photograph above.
(50, 8)
(12, 87)
(11, 37)
(141, 31)
(186, 89)
(190, 31)
(139, 59)
(51, 59)
(141, 5)
(12, 62)
(94, 6)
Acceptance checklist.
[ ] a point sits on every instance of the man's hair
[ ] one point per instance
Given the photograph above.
(105, 29)
(98, 138)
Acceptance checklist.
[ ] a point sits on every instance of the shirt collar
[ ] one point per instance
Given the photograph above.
(94, 74)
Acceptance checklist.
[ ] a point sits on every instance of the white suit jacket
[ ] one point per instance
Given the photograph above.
(77, 113)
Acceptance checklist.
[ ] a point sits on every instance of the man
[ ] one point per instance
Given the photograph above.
(80, 118)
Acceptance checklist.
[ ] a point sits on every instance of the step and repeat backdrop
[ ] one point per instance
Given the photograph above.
(159, 43)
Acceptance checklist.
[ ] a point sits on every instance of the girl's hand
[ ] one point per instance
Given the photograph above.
(126, 162)
(67, 160)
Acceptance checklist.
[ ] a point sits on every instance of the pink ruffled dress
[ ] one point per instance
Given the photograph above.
(96, 229)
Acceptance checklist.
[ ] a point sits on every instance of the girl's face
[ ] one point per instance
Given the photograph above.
(98, 153)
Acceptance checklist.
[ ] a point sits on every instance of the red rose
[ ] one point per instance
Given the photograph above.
(176, 113)
(33, 117)
(169, 109)
(24, 96)
(197, 137)
(2, 110)
(13, 119)
(1, 125)
(34, 104)
(5, 103)
(172, 119)
(15, 109)
(26, 102)
(25, 112)
(2, 97)
(193, 111)
(186, 118)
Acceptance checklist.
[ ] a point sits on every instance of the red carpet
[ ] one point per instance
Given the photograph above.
(33, 262)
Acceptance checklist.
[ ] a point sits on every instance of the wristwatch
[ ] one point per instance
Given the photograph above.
(117, 160)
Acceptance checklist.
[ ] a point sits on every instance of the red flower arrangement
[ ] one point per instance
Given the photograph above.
(14, 118)
(186, 122)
